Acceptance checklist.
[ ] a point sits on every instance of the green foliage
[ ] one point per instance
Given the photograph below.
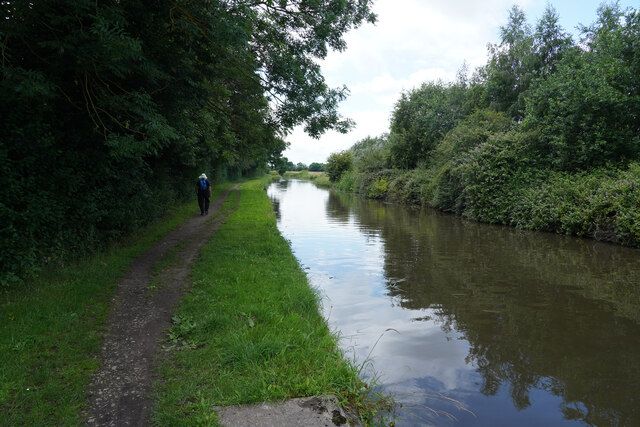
(493, 173)
(545, 136)
(370, 154)
(280, 164)
(52, 329)
(586, 111)
(603, 204)
(316, 167)
(420, 119)
(411, 187)
(346, 182)
(522, 56)
(455, 151)
(110, 110)
(509, 71)
(338, 164)
(379, 189)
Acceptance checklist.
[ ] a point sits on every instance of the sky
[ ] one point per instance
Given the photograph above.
(415, 41)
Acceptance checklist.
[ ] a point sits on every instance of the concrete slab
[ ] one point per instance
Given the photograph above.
(306, 411)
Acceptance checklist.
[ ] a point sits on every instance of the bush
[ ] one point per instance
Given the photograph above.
(486, 173)
(346, 182)
(338, 164)
(452, 152)
(411, 187)
(602, 203)
(371, 161)
(420, 119)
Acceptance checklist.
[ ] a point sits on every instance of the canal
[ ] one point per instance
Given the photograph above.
(469, 324)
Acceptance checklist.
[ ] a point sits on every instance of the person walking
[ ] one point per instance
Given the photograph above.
(203, 191)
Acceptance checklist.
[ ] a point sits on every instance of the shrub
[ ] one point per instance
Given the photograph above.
(338, 164)
(346, 182)
(492, 175)
(601, 203)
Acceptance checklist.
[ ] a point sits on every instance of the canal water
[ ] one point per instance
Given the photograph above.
(469, 324)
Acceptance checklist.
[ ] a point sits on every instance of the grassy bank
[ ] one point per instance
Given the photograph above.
(51, 330)
(250, 329)
(600, 203)
(318, 178)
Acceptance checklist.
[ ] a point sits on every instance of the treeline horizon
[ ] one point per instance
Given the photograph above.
(545, 136)
(111, 110)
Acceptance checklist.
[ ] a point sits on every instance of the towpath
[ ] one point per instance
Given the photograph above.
(140, 315)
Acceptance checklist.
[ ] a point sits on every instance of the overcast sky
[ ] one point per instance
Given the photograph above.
(416, 41)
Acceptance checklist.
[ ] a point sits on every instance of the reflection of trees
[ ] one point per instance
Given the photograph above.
(539, 310)
(282, 186)
(338, 206)
(276, 206)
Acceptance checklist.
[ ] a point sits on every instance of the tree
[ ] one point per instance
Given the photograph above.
(586, 112)
(511, 66)
(280, 165)
(522, 56)
(370, 154)
(119, 104)
(419, 121)
(316, 167)
(550, 42)
(338, 164)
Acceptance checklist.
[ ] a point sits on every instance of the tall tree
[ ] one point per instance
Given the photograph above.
(511, 66)
(110, 105)
(587, 111)
(550, 41)
(420, 119)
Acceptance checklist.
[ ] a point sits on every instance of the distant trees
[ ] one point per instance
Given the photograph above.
(283, 165)
(316, 167)
(578, 102)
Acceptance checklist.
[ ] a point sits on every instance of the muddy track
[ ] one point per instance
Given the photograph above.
(140, 315)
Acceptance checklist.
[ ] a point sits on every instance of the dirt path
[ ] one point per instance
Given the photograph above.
(139, 318)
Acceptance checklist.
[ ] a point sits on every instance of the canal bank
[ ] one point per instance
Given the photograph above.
(601, 204)
(249, 330)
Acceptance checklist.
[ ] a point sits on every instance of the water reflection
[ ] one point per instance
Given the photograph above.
(522, 328)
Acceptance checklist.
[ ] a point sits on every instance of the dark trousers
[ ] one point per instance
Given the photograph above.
(203, 202)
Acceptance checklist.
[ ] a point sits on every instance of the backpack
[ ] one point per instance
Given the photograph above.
(203, 185)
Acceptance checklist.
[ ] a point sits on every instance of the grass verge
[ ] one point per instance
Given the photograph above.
(51, 330)
(250, 328)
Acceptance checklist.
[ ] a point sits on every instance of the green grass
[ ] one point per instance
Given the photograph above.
(51, 331)
(321, 179)
(170, 260)
(249, 330)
